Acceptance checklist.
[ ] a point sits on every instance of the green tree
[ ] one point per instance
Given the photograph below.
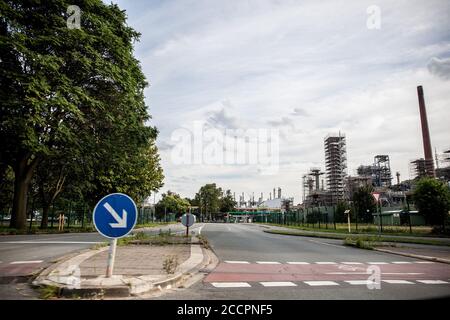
(364, 203)
(339, 213)
(75, 93)
(432, 199)
(209, 199)
(227, 202)
(171, 202)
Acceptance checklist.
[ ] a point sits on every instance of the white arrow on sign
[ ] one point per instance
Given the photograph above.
(121, 222)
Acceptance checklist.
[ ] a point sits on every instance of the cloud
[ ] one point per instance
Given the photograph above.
(221, 118)
(300, 112)
(440, 67)
(305, 68)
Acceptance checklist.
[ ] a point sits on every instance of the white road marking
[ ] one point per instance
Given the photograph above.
(351, 263)
(200, 230)
(385, 273)
(325, 262)
(25, 262)
(267, 262)
(401, 262)
(52, 242)
(428, 262)
(299, 262)
(360, 282)
(231, 284)
(432, 281)
(398, 281)
(328, 244)
(279, 284)
(237, 262)
(377, 262)
(321, 283)
(346, 273)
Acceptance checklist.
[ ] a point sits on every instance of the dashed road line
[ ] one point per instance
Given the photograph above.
(237, 262)
(278, 284)
(231, 284)
(377, 262)
(359, 282)
(298, 262)
(432, 281)
(26, 262)
(401, 262)
(325, 262)
(267, 262)
(321, 283)
(351, 262)
(423, 262)
(398, 281)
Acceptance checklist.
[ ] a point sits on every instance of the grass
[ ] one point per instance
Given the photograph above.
(373, 238)
(151, 224)
(418, 231)
(49, 292)
(361, 243)
(161, 239)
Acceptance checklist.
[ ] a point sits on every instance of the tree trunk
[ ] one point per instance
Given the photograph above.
(23, 174)
(45, 211)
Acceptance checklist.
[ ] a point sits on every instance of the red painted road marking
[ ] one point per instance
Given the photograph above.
(289, 272)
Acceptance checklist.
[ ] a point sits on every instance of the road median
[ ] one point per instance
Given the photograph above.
(140, 267)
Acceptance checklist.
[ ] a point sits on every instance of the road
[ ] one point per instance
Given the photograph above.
(252, 265)
(258, 265)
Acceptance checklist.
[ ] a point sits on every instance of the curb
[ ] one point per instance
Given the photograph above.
(411, 255)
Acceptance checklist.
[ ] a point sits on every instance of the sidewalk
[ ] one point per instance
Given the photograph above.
(331, 234)
(425, 252)
(138, 269)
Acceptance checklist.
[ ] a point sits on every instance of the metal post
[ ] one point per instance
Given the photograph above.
(111, 258)
(409, 216)
(380, 217)
(334, 217)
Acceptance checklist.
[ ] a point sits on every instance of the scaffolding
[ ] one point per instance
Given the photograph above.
(420, 168)
(383, 175)
(336, 165)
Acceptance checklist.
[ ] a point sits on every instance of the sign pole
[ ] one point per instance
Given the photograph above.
(111, 257)
(187, 225)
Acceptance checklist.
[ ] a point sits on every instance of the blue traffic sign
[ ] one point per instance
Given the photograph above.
(115, 215)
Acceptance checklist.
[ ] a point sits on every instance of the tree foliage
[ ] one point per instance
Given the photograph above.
(73, 96)
(432, 199)
(364, 203)
(171, 202)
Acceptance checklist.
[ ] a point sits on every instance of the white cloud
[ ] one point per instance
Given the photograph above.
(440, 67)
(305, 67)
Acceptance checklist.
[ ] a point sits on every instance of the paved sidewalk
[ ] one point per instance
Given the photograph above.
(135, 260)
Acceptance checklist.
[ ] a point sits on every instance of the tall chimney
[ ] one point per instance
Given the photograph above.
(274, 195)
(425, 133)
(398, 177)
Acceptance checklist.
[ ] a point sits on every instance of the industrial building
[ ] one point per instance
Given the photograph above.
(335, 165)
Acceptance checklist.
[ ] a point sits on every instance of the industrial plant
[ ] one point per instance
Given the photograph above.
(323, 189)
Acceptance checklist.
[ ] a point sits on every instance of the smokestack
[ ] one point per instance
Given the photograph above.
(398, 177)
(279, 192)
(274, 195)
(425, 133)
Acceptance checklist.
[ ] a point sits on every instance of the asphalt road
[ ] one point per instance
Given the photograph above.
(253, 265)
(258, 265)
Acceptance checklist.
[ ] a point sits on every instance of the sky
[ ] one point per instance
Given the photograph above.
(301, 69)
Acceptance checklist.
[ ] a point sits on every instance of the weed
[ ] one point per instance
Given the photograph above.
(170, 264)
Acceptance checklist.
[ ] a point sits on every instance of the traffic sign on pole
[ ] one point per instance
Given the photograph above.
(187, 220)
(114, 217)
